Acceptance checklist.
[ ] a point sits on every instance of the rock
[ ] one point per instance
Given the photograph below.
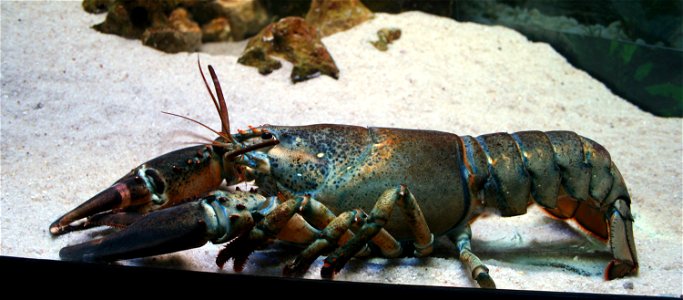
(279, 9)
(246, 17)
(386, 36)
(296, 41)
(97, 6)
(217, 29)
(178, 34)
(131, 18)
(162, 25)
(332, 16)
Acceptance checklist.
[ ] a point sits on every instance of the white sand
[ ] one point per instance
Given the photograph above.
(80, 109)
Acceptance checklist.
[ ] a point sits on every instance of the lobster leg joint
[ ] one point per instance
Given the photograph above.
(462, 237)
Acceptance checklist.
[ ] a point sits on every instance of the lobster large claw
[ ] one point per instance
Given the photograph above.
(218, 218)
(177, 228)
(159, 183)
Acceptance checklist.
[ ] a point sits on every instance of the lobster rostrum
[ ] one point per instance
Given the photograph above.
(334, 189)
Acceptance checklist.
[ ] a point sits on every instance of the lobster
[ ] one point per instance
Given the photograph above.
(334, 188)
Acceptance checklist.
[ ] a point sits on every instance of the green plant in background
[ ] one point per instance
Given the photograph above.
(634, 47)
(646, 73)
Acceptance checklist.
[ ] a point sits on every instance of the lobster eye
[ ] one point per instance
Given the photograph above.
(266, 136)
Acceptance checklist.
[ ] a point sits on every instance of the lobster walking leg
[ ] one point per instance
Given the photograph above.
(326, 242)
(274, 220)
(295, 220)
(401, 197)
(333, 235)
(462, 237)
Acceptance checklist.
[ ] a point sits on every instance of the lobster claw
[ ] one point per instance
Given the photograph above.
(174, 229)
(218, 218)
(159, 183)
(124, 193)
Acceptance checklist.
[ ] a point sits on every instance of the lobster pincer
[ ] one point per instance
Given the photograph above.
(218, 217)
(162, 182)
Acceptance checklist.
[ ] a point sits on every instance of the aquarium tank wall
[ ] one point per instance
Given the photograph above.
(633, 47)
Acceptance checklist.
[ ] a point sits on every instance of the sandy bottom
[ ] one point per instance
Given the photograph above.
(80, 109)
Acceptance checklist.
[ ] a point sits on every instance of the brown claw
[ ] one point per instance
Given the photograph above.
(127, 192)
(106, 200)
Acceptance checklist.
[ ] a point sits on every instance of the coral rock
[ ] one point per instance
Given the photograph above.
(162, 25)
(246, 17)
(332, 16)
(217, 29)
(178, 34)
(386, 36)
(294, 40)
(130, 19)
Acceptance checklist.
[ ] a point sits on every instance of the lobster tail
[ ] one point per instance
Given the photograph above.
(549, 168)
(570, 176)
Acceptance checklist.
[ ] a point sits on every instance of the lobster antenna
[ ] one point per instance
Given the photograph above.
(221, 107)
(221, 100)
(208, 89)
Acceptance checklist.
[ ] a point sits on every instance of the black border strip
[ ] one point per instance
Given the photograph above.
(75, 280)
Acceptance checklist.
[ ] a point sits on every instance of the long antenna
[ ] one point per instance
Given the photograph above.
(221, 106)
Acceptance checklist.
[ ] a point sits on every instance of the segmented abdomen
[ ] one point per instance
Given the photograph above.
(569, 175)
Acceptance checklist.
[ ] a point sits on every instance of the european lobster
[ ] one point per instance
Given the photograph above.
(316, 183)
